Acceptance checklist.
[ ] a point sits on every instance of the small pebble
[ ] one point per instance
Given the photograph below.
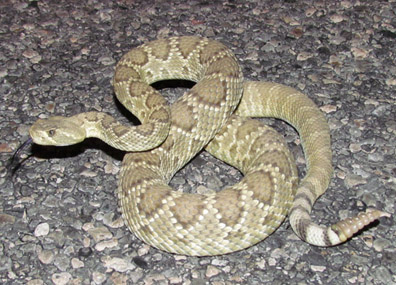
(42, 230)
(117, 264)
(61, 278)
(212, 271)
(100, 233)
(46, 256)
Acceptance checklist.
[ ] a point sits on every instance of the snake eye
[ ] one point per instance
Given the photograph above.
(51, 132)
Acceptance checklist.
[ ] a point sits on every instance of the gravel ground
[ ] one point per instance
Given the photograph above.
(58, 213)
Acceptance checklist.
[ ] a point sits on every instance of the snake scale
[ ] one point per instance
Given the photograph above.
(214, 114)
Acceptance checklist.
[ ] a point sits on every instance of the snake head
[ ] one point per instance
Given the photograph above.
(57, 131)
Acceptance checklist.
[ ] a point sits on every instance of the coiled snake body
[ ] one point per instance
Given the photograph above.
(213, 115)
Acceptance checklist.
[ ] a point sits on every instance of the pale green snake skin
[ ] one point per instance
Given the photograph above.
(214, 115)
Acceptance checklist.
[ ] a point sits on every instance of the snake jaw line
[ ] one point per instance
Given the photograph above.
(57, 131)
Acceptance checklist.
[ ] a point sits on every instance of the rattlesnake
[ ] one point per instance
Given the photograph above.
(212, 115)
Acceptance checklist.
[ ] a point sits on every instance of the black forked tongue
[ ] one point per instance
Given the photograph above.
(15, 162)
